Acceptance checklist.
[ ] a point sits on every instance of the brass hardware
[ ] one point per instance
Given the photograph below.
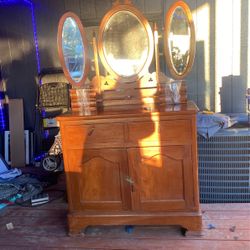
(91, 131)
(129, 180)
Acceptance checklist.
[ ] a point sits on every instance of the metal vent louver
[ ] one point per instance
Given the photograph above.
(224, 167)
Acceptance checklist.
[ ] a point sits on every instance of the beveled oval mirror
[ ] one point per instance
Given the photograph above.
(125, 43)
(73, 49)
(179, 40)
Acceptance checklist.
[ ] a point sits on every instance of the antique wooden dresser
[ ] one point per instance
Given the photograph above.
(132, 168)
(129, 144)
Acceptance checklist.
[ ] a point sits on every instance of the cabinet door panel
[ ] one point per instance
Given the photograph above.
(162, 178)
(98, 179)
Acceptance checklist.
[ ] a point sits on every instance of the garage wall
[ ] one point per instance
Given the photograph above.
(18, 64)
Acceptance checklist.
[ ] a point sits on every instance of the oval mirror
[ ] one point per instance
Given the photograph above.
(73, 49)
(179, 40)
(125, 43)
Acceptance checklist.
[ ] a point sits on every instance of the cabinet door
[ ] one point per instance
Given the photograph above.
(162, 178)
(96, 180)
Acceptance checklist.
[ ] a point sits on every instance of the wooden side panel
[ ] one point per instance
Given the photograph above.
(17, 145)
(162, 178)
(97, 179)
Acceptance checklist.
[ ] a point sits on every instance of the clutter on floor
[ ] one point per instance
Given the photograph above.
(22, 185)
(3, 165)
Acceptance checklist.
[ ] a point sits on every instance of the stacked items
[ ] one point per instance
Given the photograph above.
(83, 100)
(119, 99)
(174, 92)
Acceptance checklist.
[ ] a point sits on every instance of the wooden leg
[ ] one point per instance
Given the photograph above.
(188, 233)
(76, 228)
(75, 231)
(192, 228)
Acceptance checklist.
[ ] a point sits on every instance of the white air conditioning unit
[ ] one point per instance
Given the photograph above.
(28, 140)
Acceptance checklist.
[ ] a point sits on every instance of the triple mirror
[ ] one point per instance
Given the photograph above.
(179, 40)
(126, 43)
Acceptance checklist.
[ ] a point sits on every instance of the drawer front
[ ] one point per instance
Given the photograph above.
(172, 132)
(79, 136)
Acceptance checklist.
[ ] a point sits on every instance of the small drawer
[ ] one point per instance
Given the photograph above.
(171, 132)
(78, 136)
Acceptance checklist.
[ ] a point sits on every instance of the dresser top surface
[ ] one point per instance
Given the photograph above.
(149, 110)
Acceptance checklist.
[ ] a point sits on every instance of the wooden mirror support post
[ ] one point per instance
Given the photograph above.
(166, 87)
(157, 63)
(97, 80)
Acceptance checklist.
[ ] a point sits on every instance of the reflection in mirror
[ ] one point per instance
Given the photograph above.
(73, 49)
(179, 40)
(125, 43)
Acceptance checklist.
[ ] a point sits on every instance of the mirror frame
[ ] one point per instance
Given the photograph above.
(129, 8)
(85, 46)
(168, 56)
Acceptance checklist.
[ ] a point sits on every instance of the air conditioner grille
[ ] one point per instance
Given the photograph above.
(224, 167)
